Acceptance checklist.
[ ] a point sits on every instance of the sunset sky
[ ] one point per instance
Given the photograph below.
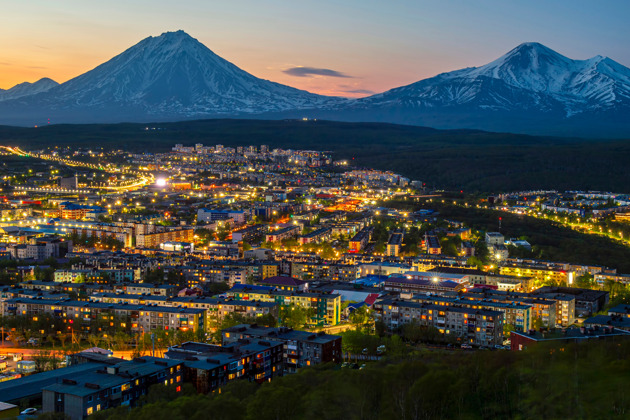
(341, 47)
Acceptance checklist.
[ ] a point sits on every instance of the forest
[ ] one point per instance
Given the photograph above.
(576, 381)
(464, 159)
(551, 241)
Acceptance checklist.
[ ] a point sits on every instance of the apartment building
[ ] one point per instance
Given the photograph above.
(209, 367)
(434, 284)
(153, 240)
(474, 326)
(361, 239)
(540, 273)
(300, 348)
(326, 307)
(123, 383)
(215, 309)
(125, 317)
(516, 314)
(315, 236)
(394, 244)
(283, 233)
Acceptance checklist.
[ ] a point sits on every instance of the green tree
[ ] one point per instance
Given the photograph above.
(223, 232)
(585, 281)
(294, 316)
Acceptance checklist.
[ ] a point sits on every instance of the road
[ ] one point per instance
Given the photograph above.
(29, 352)
(140, 181)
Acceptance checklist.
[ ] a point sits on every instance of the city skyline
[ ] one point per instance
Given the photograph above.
(325, 48)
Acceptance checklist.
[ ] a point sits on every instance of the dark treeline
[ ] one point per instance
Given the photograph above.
(550, 240)
(469, 159)
(569, 381)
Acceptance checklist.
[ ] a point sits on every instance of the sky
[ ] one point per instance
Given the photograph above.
(334, 47)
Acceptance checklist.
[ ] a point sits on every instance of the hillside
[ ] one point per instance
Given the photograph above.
(472, 160)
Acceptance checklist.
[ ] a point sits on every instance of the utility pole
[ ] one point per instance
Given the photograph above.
(153, 344)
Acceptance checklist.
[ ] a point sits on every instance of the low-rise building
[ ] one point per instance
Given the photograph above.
(124, 383)
(523, 340)
(283, 233)
(208, 367)
(435, 284)
(301, 348)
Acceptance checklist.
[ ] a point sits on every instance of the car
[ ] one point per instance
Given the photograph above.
(498, 347)
(29, 411)
(466, 346)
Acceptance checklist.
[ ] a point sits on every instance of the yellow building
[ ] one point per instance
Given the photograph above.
(326, 307)
(539, 274)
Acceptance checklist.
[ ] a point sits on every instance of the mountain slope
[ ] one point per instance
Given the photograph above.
(530, 89)
(27, 89)
(171, 76)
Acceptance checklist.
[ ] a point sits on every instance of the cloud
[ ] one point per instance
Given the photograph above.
(312, 71)
(5, 63)
(367, 91)
(36, 67)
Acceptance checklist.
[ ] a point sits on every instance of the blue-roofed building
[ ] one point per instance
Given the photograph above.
(404, 284)
(371, 281)
(96, 389)
(209, 366)
(30, 387)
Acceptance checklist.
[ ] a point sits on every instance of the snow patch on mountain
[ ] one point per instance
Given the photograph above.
(530, 77)
(27, 89)
(174, 74)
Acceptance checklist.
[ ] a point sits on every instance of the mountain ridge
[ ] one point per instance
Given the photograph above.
(530, 89)
(26, 89)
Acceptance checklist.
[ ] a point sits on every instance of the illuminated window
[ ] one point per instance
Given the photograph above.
(90, 410)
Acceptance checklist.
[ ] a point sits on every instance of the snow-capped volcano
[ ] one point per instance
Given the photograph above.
(531, 89)
(531, 83)
(171, 76)
(596, 82)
